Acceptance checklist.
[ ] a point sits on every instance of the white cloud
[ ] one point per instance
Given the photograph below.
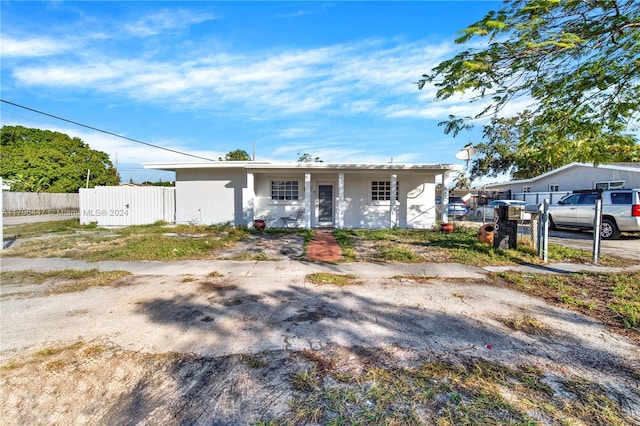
(355, 78)
(164, 20)
(33, 47)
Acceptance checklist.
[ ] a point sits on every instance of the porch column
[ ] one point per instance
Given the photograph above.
(307, 201)
(444, 204)
(392, 202)
(248, 199)
(341, 204)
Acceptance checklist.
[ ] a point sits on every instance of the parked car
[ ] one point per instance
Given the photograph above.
(620, 211)
(457, 207)
(486, 212)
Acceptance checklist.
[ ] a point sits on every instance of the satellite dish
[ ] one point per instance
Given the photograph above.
(466, 153)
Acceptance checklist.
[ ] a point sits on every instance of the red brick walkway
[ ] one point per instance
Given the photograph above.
(324, 248)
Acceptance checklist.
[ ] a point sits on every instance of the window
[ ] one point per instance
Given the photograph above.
(284, 189)
(590, 199)
(381, 190)
(526, 189)
(571, 199)
(621, 198)
(619, 184)
(554, 188)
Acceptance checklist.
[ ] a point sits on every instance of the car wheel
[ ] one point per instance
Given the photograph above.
(609, 230)
(552, 226)
(479, 215)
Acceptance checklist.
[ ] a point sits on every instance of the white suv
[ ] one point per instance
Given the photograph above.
(620, 211)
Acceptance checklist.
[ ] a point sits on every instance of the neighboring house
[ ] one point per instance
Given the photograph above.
(374, 196)
(571, 177)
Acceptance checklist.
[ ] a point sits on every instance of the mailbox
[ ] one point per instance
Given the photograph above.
(506, 227)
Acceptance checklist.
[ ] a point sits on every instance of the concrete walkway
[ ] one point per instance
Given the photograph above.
(293, 268)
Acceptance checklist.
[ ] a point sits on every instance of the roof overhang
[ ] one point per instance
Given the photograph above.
(259, 166)
(631, 167)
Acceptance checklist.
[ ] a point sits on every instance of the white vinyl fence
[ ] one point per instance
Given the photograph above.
(127, 205)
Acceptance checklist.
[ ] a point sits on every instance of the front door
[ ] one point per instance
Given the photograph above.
(325, 205)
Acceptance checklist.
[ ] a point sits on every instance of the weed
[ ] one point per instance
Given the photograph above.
(305, 381)
(56, 365)
(57, 350)
(526, 324)
(215, 274)
(93, 351)
(188, 280)
(252, 361)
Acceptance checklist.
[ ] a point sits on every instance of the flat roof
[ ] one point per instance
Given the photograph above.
(318, 166)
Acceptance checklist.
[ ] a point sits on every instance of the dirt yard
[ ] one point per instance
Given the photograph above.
(189, 349)
(212, 349)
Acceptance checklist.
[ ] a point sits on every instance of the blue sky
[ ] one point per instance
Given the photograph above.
(332, 79)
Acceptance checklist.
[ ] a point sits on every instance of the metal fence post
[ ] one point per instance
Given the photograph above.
(545, 230)
(597, 224)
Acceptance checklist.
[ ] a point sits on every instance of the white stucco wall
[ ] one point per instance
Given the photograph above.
(264, 205)
(203, 197)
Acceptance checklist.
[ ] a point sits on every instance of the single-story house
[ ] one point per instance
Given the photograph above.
(373, 196)
(571, 177)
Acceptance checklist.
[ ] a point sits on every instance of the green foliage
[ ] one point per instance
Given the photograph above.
(237, 155)
(308, 158)
(35, 160)
(576, 60)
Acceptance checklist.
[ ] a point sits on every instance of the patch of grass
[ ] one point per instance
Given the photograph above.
(461, 246)
(305, 381)
(215, 274)
(436, 392)
(526, 324)
(626, 298)
(322, 278)
(42, 228)
(188, 279)
(613, 298)
(93, 351)
(570, 300)
(72, 279)
(344, 237)
(141, 242)
(389, 252)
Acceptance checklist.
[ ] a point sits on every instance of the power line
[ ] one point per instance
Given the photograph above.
(105, 131)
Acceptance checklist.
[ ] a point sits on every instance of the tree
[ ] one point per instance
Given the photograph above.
(579, 64)
(307, 158)
(35, 160)
(237, 155)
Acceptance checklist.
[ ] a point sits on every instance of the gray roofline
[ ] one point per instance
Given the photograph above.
(559, 169)
(259, 165)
